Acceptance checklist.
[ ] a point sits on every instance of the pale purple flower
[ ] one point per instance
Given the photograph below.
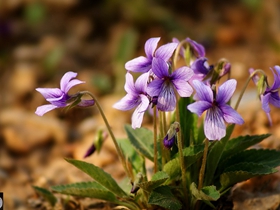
(58, 97)
(163, 87)
(270, 95)
(136, 97)
(217, 109)
(144, 64)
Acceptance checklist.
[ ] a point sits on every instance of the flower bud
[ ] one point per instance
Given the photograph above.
(170, 137)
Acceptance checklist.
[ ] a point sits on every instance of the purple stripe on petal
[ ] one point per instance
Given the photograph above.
(230, 115)
(214, 126)
(203, 92)
(160, 68)
(225, 91)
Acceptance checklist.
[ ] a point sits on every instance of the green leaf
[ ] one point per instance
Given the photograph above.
(214, 156)
(130, 153)
(270, 158)
(46, 194)
(99, 175)
(142, 140)
(86, 189)
(156, 180)
(241, 143)
(207, 193)
(188, 122)
(191, 155)
(162, 196)
(241, 172)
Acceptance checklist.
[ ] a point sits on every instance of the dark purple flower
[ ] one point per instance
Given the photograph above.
(169, 139)
(144, 64)
(217, 109)
(270, 95)
(165, 84)
(136, 97)
(59, 97)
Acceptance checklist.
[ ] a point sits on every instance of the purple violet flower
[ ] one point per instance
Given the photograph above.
(270, 95)
(136, 97)
(164, 85)
(144, 64)
(59, 98)
(217, 109)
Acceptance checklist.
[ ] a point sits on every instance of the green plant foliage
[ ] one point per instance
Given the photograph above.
(162, 196)
(208, 193)
(241, 172)
(86, 189)
(46, 194)
(270, 158)
(142, 140)
(191, 155)
(134, 158)
(99, 176)
(241, 143)
(156, 180)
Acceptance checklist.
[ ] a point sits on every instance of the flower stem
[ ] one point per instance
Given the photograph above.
(119, 151)
(180, 150)
(203, 165)
(177, 51)
(246, 85)
(155, 140)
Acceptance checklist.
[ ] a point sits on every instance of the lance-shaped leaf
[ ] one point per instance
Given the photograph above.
(162, 196)
(241, 143)
(99, 176)
(270, 158)
(142, 140)
(241, 172)
(191, 155)
(86, 189)
(156, 180)
(188, 120)
(46, 195)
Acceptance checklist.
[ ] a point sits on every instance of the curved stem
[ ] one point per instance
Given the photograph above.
(203, 165)
(246, 85)
(177, 51)
(180, 150)
(119, 151)
(155, 140)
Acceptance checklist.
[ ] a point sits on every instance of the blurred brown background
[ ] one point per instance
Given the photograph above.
(41, 40)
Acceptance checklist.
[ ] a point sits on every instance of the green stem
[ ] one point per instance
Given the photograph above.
(177, 51)
(180, 150)
(203, 165)
(119, 151)
(155, 140)
(246, 85)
